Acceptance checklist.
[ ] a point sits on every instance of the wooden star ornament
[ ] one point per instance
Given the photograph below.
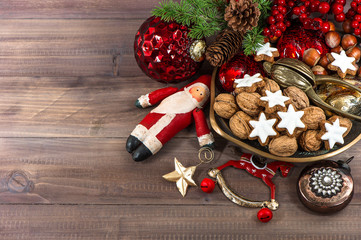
(182, 176)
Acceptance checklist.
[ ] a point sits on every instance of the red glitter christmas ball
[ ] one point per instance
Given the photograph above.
(296, 40)
(162, 51)
(236, 68)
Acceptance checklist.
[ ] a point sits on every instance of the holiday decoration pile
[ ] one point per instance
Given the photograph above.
(283, 120)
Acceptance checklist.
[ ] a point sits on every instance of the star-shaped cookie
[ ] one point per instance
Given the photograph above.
(263, 129)
(266, 52)
(342, 64)
(290, 120)
(274, 101)
(248, 83)
(334, 133)
(182, 176)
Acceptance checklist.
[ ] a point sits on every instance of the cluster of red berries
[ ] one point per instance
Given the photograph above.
(354, 14)
(282, 11)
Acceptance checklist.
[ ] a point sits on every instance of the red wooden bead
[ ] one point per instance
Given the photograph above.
(264, 215)
(207, 185)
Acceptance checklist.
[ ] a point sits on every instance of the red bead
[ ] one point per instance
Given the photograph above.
(264, 215)
(271, 20)
(354, 24)
(340, 17)
(266, 32)
(357, 18)
(354, 5)
(357, 31)
(324, 7)
(207, 185)
(337, 8)
(279, 18)
(325, 27)
(278, 33)
(296, 11)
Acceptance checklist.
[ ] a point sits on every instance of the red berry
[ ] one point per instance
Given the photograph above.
(337, 8)
(275, 12)
(281, 2)
(303, 16)
(314, 6)
(354, 24)
(357, 1)
(317, 23)
(296, 11)
(273, 28)
(340, 17)
(325, 27)
(279, 18)
(324, 7)
(303, 9)
(282, 10)
(358, 10)
(278, 33)
(307, 23)
(207, 185)
(291, 4)
(350, 13)
(354, 5)
(281, 26)
(307, 4)
(342, 2)
(266, 32)
(264, 215)
(357, 31)
(357, 18)
(288, 24)
(271, 20)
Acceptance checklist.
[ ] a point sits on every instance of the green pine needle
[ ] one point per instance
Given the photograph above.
(251, 40)
(203, 17)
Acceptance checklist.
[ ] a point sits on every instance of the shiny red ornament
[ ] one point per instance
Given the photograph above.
(237, 67)
(207, 185)
(162, 51)
(296, 40)
(264, 215)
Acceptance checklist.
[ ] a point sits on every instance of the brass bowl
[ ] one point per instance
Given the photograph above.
(221, 127)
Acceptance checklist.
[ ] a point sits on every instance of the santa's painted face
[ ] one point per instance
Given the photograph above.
(198, 93)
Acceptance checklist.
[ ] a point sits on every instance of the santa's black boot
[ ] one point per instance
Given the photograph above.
(132, 143)
(141, 153)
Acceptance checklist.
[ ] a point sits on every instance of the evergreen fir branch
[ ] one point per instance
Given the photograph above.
(252, 39)
(264, 7)
(204, 17)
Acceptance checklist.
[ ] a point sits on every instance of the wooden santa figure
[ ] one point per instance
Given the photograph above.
(172, 115)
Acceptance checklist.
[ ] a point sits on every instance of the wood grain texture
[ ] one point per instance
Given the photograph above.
(77, 9)
(43, 222)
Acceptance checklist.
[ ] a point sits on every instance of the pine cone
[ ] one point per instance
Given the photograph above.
(242, 15)
(227, 44)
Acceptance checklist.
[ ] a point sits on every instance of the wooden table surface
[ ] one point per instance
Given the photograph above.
(68, 85)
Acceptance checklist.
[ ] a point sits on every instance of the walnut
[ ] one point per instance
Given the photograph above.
(239, 124)
(298, 97)
(309, 141)
(312, 117)
(283, 146)
(249, 103)
(225, 105)
(344, 122)
(270, 85)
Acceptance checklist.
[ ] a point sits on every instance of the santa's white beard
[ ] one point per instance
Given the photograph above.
(180, 102)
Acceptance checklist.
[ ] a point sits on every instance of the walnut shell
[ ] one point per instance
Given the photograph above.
(249, 103)
(270, 85)
(298, 97)
(309, 141)
(344, 122)
(312, 117)
(225, 105)
(239, 124)
(283, 146)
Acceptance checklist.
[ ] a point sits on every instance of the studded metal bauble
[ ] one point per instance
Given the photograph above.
(237, 67)
(296, 40)
(162, 51)
(326, 182)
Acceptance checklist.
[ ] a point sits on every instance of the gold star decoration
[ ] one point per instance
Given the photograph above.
(182, 176)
